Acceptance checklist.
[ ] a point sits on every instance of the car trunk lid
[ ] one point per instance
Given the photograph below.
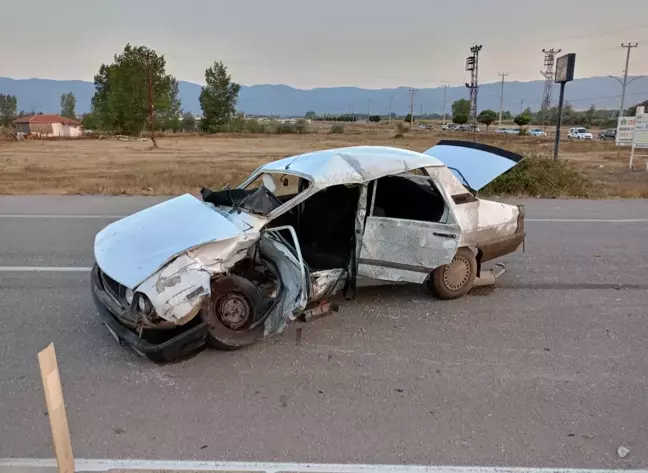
(133, 248)
(474, 164)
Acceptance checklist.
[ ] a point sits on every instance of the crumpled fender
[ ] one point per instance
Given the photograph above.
(179, 290)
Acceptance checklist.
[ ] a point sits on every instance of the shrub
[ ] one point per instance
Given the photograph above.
(541, 176)
(401, 128)
(286, 129)
(399, 136)
(301, 127)
(337, 129)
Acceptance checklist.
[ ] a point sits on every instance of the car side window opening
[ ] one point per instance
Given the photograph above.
(407, 196)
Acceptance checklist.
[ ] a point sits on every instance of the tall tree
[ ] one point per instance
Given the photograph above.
(461, 107)
(487, 117)
(522, 119)
(218, 98)
(460, 118)
(68, 106)
(121, 101)
(8, 109)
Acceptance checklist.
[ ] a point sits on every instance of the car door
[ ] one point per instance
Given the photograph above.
(404, 249)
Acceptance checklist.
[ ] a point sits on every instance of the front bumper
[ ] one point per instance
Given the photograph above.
(169, 344)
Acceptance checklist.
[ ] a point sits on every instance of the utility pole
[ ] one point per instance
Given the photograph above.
(149, 68)
(369, 114)
(390, 109)
(472, 65)
(548, 73)
(625, 82)
(502, 75)
(412, 92)
(521, 106)
(420, 110)
(445, 102)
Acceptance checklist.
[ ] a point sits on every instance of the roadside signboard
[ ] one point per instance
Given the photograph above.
(625, 131)
(640, 139)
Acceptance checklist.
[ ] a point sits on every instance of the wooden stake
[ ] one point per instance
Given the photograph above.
(56, 409)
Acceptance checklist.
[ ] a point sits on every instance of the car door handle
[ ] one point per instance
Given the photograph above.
(445, 235)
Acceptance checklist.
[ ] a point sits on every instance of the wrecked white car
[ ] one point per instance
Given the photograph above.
(242, 263)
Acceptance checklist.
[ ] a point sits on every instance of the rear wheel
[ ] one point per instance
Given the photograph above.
(453, 280)
(235, 304)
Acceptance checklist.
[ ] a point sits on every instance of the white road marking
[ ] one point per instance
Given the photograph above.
(107, 217)
(45, 269)
(588, 220)
(27, 465)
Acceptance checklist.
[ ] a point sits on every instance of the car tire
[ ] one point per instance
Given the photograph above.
(453, 280)
(235, 303)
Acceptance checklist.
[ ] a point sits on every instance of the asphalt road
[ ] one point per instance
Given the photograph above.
(548, 369)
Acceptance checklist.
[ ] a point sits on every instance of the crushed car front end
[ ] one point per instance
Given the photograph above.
(137, 324)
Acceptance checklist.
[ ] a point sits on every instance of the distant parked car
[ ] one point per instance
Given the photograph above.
(449, 127)
(501, 130)
(579, 133)
(609, 134)
(536, 132)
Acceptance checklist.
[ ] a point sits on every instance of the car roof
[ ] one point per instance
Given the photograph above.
(351, 165)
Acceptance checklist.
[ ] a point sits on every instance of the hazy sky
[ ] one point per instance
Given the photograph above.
(307, 43)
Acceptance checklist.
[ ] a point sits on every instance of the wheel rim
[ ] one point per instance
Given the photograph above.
(457, 273)
(233, 311)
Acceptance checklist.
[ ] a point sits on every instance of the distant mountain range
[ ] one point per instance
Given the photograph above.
(43, 95)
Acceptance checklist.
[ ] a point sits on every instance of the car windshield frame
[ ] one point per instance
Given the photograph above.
(257, 200)
(582, 131)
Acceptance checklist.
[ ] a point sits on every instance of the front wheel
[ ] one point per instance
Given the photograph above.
(235, 304)
(453, 280)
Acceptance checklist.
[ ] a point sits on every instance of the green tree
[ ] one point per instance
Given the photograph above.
(89, 121)
(460, 118)
(374, 118)
(310, 115)
(487, 117)
(461, 107)
(188, 122)
(68, 106)
(408, 118)
(522, 120)
(218, 98)
(120, 102)
(8, 109)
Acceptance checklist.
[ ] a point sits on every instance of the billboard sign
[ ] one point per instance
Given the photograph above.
(640, 139)
(565, 68)
(625, 131)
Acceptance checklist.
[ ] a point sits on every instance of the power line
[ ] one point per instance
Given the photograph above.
(548, 73)
(412, 92)
(625, 82)
(472, 65)
(445, 102)
(502, 75)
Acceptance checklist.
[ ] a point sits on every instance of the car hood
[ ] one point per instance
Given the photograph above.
(474, 164)
(133, 248)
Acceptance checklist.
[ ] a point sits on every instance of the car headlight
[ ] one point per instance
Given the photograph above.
(141, 304)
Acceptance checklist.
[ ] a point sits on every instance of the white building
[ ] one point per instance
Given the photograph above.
(49, 125)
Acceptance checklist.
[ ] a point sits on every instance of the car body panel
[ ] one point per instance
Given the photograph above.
(132, 248)
(405, 250)
(474, 164)
(352, 165)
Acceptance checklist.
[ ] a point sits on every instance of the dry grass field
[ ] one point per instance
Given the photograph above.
(185, 163)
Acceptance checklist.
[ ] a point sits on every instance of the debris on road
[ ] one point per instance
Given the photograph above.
(623, 451)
